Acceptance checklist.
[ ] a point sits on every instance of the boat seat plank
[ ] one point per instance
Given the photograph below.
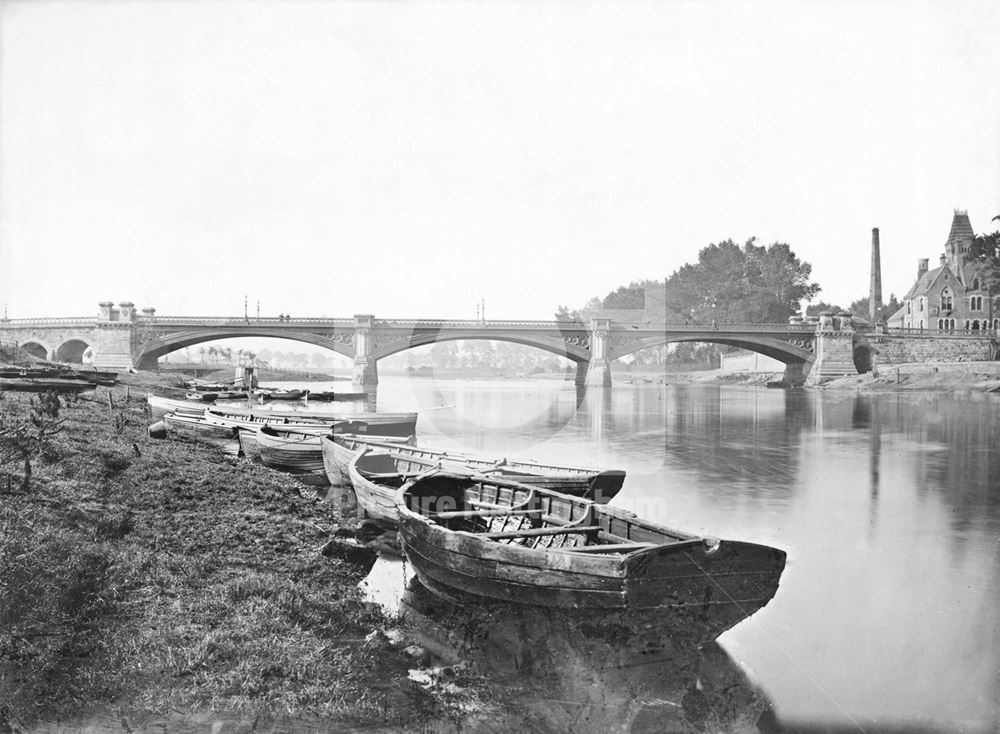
(536, 532)
(611, 547)
(483, 513)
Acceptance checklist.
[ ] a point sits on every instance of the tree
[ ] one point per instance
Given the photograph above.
(751, 283)
(860, 307)
(815, 309)
(985, 253)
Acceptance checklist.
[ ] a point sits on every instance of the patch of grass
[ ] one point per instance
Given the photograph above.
(157, 575)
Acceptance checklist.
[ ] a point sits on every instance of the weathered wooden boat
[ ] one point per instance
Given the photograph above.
(199, 430)
(248, 430)
(337, 454)
(378, 424)
(331, 395)
(96, 377)
(484, 539)
(290, 449)
(596, 484)
(282, 394)
(382, 424)
(158, 407)
(377, 475)
(202, 397)
(22, 384)
(231, 395)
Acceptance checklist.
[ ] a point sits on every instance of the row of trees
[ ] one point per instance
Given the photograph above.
(729, 283)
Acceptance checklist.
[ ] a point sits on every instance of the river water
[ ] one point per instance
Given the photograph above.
(888, 507)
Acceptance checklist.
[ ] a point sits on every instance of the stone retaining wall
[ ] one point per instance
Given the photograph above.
(902, 350)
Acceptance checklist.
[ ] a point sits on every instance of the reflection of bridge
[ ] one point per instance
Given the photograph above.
(119, 338)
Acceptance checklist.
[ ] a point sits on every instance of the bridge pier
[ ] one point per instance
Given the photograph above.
(365, 365)
(599, 368)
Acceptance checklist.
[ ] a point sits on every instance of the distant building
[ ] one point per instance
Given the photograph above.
(952, 296)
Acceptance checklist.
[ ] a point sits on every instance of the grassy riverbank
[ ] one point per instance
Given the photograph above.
(142, 577)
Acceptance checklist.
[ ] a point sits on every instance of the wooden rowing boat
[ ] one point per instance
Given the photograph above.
(479, 538)
(248, 428)
(282, 394)
(159, 407)
(377, 475)
(598, 485)
(290, 449)
(199, 430)
(19, 384)
(61, 373)
(339, 449)
(382, 424)
(331, 395)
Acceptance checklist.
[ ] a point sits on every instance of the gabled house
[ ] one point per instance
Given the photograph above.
(951, 297)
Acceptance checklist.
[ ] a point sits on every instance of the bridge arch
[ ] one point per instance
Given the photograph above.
(37, 348)
(553, 343)
(147, 353)
(72, 350)
(779, 349)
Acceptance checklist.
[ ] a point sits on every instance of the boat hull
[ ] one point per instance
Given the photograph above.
(690, 586)
(297, 454)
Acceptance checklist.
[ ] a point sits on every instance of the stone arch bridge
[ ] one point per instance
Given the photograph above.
(124, 337)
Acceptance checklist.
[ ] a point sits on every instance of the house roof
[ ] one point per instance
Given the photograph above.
(924, 282)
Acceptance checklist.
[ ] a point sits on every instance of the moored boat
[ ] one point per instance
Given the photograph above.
(290, 449)
(485, 539)
(382, 424)
(282, 394)
(42, 384)
(597, 484)
(332, 395)
(377, 475)
(338, 450)
(197, 429)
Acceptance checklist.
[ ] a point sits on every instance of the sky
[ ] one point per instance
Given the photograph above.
(413, 159)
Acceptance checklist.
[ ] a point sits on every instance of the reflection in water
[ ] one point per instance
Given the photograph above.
(571, 673)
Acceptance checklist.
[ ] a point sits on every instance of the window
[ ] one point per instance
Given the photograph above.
(976, 303)
(975, 284)
(968, 324)
(946, 300)
(908, 309)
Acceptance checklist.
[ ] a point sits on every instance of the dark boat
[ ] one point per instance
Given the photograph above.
(23, 384)
(282, 394)
(596, 484)
(60, 373)
(327, 396)
(483, 539)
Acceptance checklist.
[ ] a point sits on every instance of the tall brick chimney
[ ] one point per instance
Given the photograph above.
(922, 264)
(875, 291)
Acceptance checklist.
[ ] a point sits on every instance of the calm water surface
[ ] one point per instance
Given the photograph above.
(887, 505)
